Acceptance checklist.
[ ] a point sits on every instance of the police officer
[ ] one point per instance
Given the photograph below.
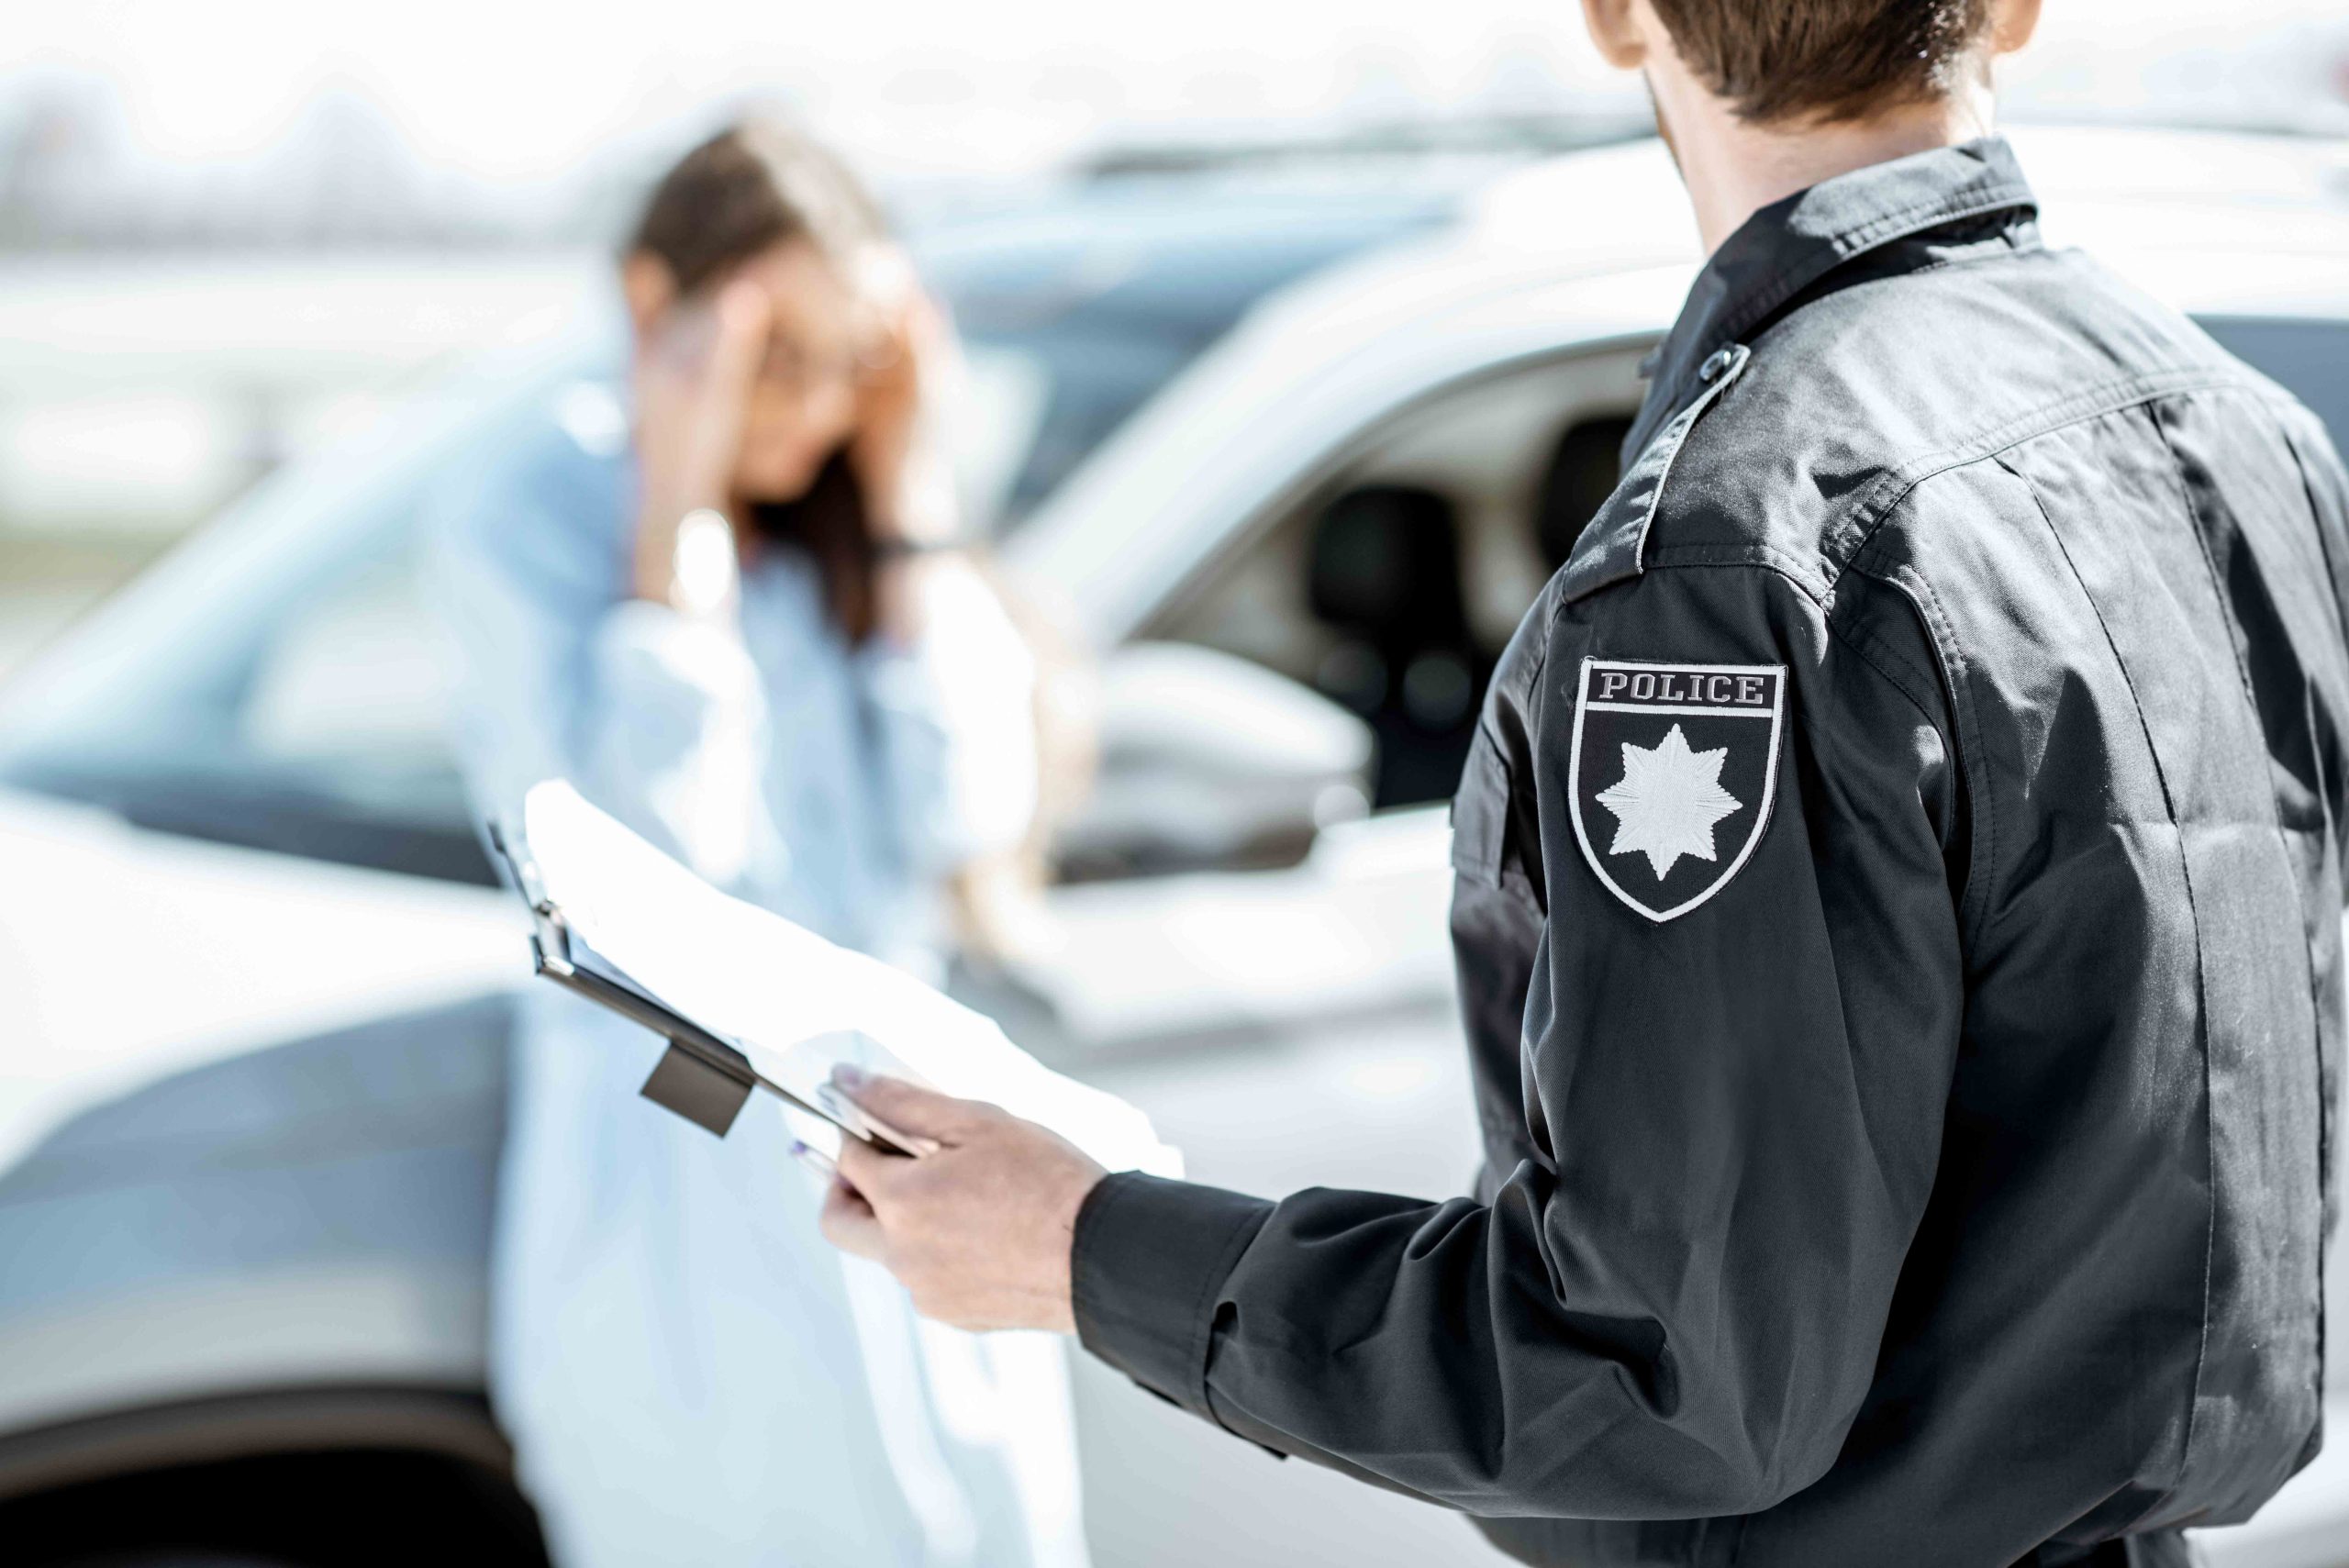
(1897, 913)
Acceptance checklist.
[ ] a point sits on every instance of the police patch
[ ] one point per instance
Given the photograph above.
(1673, 771)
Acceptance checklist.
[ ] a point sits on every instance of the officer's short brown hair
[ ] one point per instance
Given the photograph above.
(1826, 59)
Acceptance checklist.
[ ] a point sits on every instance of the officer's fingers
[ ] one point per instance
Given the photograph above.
(910, 1109)
(898, 1188)
(848, 1222)
(869, 1171)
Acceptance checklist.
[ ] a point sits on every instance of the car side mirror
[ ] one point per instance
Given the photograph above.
(1209, 762)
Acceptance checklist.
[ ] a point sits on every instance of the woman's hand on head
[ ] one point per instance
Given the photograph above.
(889, 448)
(694, 373)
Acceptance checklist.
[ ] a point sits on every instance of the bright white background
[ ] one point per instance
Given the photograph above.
(519, 91)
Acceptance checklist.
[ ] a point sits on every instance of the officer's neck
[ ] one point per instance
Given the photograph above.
(1734, 169)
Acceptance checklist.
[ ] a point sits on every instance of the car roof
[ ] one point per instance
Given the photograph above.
(2102, 182)
(1597, 248)
(1176, 255)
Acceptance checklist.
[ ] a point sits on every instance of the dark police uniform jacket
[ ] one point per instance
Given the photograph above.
(1897, 918)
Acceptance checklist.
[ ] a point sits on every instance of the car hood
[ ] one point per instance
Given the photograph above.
(128, 955)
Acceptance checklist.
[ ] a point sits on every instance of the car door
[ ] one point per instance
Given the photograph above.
(1278, 991)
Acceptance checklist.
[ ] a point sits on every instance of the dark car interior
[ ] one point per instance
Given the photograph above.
(1383, 576)
(1371, 592)
(1386, 575)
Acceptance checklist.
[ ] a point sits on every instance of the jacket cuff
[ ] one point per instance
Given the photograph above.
(1146, 1267)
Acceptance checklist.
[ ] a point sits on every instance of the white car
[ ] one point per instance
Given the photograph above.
(252, 1101)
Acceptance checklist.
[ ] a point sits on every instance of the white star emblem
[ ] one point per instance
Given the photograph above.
(1667, 801)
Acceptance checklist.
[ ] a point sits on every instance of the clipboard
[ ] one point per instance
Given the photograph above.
(702, 1076)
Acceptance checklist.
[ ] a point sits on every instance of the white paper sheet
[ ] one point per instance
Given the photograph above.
(795, 1003)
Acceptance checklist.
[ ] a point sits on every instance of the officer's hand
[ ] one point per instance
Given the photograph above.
(979, 1231)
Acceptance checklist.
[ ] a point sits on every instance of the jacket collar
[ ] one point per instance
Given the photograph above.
(1788, 247)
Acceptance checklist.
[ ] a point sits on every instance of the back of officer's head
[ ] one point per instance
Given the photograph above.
(1784, 63)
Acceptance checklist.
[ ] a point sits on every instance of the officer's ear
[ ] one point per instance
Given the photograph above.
(2011, 24)
(1615, 29)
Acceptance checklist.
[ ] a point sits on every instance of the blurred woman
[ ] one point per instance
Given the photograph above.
(717, 588)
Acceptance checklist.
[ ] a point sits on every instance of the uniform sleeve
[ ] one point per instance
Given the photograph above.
(1672, 1306)
(2327, 483)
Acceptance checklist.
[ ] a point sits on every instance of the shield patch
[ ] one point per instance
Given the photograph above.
(1673, 770)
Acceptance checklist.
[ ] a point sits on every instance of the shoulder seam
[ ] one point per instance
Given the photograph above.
(1981, 800)
(1848, 533)
(1754, 553)
(1762, 559)
(1951, 727)
(2306, 468)
(2194, 912)
(1873, 652)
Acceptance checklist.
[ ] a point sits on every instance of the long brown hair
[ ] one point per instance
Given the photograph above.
(756, 184)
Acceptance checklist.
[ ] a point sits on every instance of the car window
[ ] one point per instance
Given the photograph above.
(354, 690)
(281, 684)
(1393, 586)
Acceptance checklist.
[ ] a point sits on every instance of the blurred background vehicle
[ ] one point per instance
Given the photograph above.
(225, 239)
(253, 1088)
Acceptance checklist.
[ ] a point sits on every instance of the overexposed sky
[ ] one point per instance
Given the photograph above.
(522, 90)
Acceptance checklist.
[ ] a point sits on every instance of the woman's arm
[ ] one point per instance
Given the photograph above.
(955, 719)
(656, 713)
(693, 378)
(949, 676)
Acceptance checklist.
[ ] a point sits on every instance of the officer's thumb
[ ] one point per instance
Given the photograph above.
(919, 1112)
